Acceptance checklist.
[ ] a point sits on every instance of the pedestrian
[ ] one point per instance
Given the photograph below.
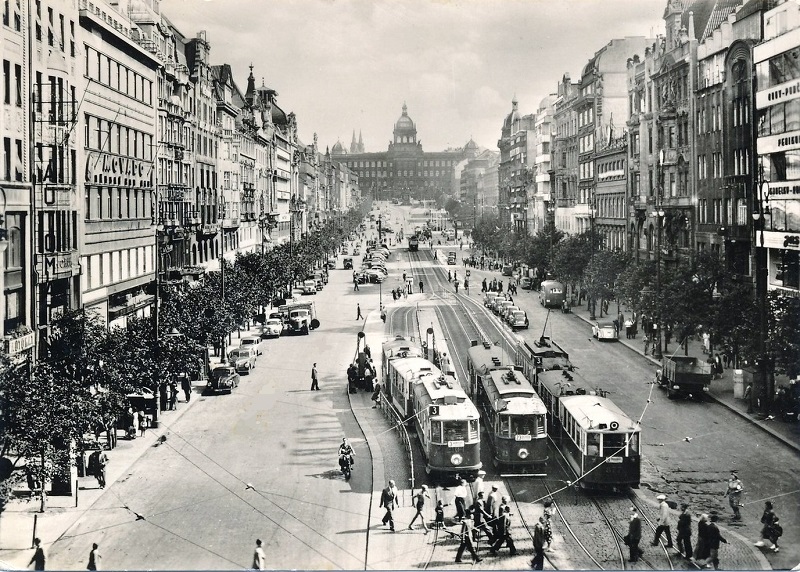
(314, 378)
(548, 522)
(483, 285)
(94, 558)
(460, 494)
(477, 484)
(376, 395)
(394, 294)
(186, 386)
(768, 537)
(39, 558)
(706, 343)
(628, 328)
(734, 494)
(664, 522)
(389, 502)
(538, 545)
(355, 281)
(439, 520)
(714, 539)
(419, 504)
(142, 419)
(404, 276)
(684, 539)
(466, 539)
(634, 535)
(358, 312)
(259, 558)
(449, 276)
(173, 395)
(492, 506)
(702, 549)
(421, 287)
(481, 517)
(455, 283)
(646, 340)
(504, 532)
(466, 286)
(102, 463)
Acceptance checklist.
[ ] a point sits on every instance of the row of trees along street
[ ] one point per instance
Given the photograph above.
(86, 371)
(699, 295)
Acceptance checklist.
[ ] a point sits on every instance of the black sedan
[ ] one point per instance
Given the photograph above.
(223, 379)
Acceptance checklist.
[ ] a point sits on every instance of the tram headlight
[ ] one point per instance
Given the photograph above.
(522, 454)
(456, 459)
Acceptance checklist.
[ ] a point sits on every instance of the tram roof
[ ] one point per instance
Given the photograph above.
(411, 368)
(514, 389)
(481, 357)
(448, 394)
(595, 413)
(562, 383)
(399, 345)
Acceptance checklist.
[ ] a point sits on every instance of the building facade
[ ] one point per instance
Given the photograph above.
(515, 172)
(777, 102)
(404, 170)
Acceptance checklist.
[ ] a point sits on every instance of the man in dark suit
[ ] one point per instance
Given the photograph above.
(389, 502)
(634, 535)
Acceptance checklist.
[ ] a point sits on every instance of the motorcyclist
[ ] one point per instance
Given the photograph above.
(346, 452)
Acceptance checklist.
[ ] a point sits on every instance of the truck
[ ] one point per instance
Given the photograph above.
(684, 376)
(299, 317)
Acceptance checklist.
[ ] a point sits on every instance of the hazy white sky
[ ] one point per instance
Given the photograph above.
(350, 64)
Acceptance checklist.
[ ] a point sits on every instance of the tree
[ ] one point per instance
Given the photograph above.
(602, 275)
(571, 257)
(783, 338)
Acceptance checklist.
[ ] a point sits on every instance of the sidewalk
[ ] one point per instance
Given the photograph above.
(21, 519)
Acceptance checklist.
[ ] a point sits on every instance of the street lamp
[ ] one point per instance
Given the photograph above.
(593, 301)
(760, 213)
(659, 318)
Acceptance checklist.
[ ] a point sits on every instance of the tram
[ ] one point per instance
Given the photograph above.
(601, 444)
(413, 243)
(544, 355)
(448, 427)
(482, 358)
(515, 419)
(399, 347)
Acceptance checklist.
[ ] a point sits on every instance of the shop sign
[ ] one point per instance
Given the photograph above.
(781, 240)
(100, 165)
(782, 190)
(12, 346)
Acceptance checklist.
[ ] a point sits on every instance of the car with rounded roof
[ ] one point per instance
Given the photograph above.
(223, 378)
(518, 320)
(604, 330)
(253, 342)
(243, 359)
(273, 328)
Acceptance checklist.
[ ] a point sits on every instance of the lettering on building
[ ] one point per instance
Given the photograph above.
(105, 168)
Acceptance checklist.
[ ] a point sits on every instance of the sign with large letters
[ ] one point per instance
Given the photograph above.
(106, 168)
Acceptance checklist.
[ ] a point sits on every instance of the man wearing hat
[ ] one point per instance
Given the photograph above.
(684, 538)
(419, 503)
(634, 535)
(466, 538)
(734, 494)
(477, 484)
(664, 521)
(481, 517)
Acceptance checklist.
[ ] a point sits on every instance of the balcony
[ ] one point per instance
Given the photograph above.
(209, 229)
(230, 223)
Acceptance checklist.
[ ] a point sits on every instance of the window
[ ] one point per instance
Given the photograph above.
(50, 39)
(6, 81)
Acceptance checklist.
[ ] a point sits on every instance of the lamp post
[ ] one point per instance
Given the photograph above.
(762, 387)
(592, 301)
(659, 318)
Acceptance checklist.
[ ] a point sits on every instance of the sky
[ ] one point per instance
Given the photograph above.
(344, 65)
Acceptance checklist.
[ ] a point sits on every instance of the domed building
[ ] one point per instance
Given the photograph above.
(404, 170)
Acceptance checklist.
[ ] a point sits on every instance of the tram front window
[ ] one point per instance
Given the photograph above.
(455, 431)
(505, 426)
(614, 444)
(436, 431)
(633, 443)
(523, 425)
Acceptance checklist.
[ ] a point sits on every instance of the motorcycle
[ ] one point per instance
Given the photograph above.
(346, 465)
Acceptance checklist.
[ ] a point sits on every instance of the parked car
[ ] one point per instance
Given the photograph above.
(488, 298)
(518, 320)
(498, 307)
(374, 276)
(356, 251)
(310, 286)
(222, 378)
(252, 342)
(243, 359)
(526, 283)
(348, 263)
(508, 310)
(273, 328)
(508, 269)
(604, 330)
(331, 263)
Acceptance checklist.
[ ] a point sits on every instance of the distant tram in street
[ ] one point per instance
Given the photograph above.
(600, 443)
(513, 414)
(446, 421)
(543, 355)
(413, 243)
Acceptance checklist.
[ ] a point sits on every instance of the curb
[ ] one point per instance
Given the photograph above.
(728, 406)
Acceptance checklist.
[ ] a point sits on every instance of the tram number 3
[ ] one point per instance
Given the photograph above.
(456, 444)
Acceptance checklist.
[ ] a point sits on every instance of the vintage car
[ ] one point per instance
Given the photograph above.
(518, 320)
(508, 269)
(331, 263)
(252, 342)
(222, 378)
(499, 307)
(451, 258)
(310, 286)
(604, 330)
(243, 359)
(488, 298)
(526, 283)
(374, 275)
(348, 263)
(508, 310)
(273, 328)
